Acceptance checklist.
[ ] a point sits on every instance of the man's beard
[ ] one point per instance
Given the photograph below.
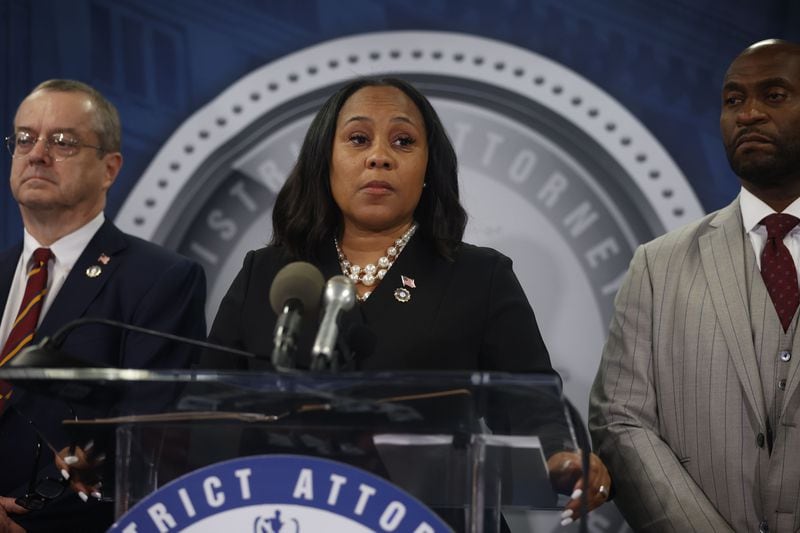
(767, 170)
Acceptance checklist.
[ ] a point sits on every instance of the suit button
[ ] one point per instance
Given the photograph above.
(786, 356)
(760, 440)
(782, 384)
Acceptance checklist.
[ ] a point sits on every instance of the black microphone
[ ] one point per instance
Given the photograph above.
(339, 295)
(294, 292)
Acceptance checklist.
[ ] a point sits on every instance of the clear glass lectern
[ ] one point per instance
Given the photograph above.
(468, 445)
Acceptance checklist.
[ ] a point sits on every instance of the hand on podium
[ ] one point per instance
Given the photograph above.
(82, 467)
(567, 477)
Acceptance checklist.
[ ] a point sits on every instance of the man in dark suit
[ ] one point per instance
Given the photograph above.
(66, 155)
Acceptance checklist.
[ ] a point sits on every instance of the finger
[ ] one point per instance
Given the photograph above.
(11, 506)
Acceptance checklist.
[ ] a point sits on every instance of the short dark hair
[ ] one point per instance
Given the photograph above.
(305, 214)
(106, 118)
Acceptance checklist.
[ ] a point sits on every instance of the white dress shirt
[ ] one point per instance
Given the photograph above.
(66, 252)
(753, 211)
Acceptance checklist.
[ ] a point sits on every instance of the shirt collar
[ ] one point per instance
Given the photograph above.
(754, 209)
(68, 248)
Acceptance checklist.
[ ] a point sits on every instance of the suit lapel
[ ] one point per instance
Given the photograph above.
(80, 288)
(723, 256)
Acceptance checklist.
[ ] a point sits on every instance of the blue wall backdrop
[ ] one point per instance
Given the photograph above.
(159, 61)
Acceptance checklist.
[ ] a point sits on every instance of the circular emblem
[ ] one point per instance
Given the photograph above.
(402, 295)
(280, 494)
(554, 172)
(93, 271)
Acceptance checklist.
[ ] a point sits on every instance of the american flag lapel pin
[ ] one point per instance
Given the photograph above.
(408, 282)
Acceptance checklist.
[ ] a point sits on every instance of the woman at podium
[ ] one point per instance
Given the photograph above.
(374, 197)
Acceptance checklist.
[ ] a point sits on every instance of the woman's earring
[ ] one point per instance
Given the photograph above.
(424, 184)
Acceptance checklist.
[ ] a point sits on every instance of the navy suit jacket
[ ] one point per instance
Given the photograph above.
(141, 284)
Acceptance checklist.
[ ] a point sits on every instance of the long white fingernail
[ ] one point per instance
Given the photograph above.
(89, 446)
(70, 459)
(576, 494)
(64, 473)
(567, 513)
(82, 495)
(566, 521)
(96, 495)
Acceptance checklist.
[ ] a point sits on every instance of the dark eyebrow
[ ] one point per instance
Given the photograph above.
(777, 81)
(359, 118)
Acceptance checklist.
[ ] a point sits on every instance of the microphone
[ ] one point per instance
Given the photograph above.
(47, 352)
(294, 292)
(339, 295)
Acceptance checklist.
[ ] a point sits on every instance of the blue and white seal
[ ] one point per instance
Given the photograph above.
(279, 494)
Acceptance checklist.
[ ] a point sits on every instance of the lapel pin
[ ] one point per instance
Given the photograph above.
(104, 259)
(402, 295)
(93, 271)
(408, 282)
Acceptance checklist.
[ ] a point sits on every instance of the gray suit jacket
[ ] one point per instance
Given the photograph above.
(678, 410)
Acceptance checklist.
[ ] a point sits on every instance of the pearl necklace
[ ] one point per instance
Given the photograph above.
(372, 273)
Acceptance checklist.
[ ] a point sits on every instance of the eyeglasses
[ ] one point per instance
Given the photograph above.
(60, 146)
(41, 492)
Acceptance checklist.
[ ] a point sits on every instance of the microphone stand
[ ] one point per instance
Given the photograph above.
(61, 334)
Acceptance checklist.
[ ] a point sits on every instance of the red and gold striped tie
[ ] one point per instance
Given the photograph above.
(28, 316)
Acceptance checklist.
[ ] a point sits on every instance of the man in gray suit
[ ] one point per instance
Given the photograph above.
(695, 408)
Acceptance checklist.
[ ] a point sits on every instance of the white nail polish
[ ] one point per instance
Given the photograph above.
(64, 473)
(576, 494)
(566, 521)
(96, 495)
(89, 446)
(82, 495)
(70, 459)
(567, 514)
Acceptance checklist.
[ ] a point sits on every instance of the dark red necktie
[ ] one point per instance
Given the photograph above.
(28, 316)
(777, 267)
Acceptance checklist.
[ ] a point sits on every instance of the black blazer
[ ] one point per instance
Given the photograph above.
(141, 284)
(467, 314)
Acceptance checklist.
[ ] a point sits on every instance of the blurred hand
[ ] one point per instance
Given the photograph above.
(83, 468)
(567, 478)
(9, 507)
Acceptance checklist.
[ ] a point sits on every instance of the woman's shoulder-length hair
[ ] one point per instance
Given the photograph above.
(305, 215)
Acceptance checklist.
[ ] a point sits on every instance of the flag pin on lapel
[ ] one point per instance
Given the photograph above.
(402, 294)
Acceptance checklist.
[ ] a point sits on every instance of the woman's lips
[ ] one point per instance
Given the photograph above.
(377, 187)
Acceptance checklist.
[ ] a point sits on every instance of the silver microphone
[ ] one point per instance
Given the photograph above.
(339, 295)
